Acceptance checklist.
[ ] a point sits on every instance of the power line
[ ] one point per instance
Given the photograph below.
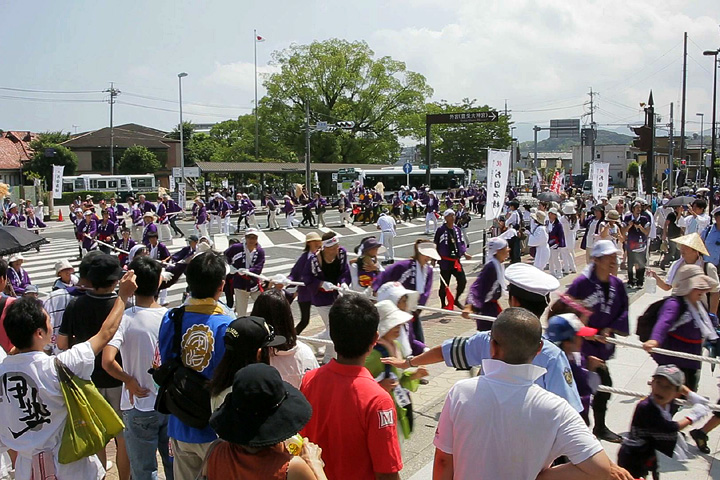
(548, 109)
(210, 105)
(28, 90)
(50, 100)
(120, 102)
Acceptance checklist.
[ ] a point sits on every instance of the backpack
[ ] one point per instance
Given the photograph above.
(646, 322)
(183, 391)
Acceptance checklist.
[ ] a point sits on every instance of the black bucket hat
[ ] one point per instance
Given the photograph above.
(262, 409)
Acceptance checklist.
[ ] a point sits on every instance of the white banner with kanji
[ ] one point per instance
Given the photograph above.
(498, 168)
(58, 171)
(600, 174)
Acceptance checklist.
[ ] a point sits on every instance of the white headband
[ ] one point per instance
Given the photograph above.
(331, 242)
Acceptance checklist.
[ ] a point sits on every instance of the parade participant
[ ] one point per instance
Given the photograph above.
(567, 332)
(246, 257)
(186, 253)
(149, 226)
(304, 200)
(359, 416)
(139, 250)
(432, 207)
(539, 239)
(106, 231)
(327, 270)
(463, 222)
(136, 217)
(289, 210)
(683, 322)
(386, 225)
(451, 250)
(87, 230)
(163, 221)
(692, 250)
(556, 241)
(293, 359)
(172, 210)
(653, 429)
(408, 206)
(490, 409)
(223, 209)
(396, 381)
(610, 230)
(600, 291)
(397, 205)
(199, 213)
(125, 243)
(407, 301)
(14, 218)
(16, 275)
(213, 213)
(272, 208)
(251, 445)
(33, 223)
(367, 264)
(571, 226)
(66, 275)
(697, 220)
(489, 286)
(344, 208)
(158, 250)
(31, 369)
(674, 228)
(313, 242)
(636, 230)
(414, 274)
(514, 220)
(320, 206)
(144, 205)
(711, 238)
(592, 229)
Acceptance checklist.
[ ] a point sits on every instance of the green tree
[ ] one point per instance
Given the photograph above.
(47, 152)
(465, 145)
(188, 132)
(341, 80)
(138, 160)
(633, 169)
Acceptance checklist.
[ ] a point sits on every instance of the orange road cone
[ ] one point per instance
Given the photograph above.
(60, 219)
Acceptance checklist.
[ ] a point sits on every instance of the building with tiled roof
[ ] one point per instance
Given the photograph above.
(15, 152)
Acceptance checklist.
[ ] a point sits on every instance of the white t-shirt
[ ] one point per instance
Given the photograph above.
(137, 341)
(483, 416)
(386, 224)
(55, 306)
(33, 410)
(293, 364)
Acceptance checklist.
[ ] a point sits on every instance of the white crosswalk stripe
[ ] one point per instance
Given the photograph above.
(41, 267)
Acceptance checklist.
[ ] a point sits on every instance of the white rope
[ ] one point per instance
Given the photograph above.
(318, 341)
(456, 313)
(663, 351)
(630, 393)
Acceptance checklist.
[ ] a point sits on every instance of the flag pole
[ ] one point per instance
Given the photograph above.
(257, 144)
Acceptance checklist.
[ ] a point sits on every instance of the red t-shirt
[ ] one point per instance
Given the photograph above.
(353, 421)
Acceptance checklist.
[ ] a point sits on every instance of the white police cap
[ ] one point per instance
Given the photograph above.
(531, 279)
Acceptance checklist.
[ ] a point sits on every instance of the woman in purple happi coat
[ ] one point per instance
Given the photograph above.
(106, 231)
(87, 230)
(683, 322)
(33, 223)
(601, 292)
(325, 272)
(199, 213)
(489, 286)
(125, 243)
(17, 276)
(289, 210)
(14, 219)
(556, 241)
(414, 274)
(313, 242)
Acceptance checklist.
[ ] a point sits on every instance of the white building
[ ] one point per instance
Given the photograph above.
(618, 156)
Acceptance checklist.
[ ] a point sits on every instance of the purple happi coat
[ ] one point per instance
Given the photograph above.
(238, 257)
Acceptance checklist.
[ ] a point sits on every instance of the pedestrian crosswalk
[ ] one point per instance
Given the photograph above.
(41, 266)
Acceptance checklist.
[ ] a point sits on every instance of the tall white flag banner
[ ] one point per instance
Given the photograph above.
(498, 168)
(600, 173)
(58, 171)
(640, 191)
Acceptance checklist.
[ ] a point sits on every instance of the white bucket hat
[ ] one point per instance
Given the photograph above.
(390, 316)
(394, 291)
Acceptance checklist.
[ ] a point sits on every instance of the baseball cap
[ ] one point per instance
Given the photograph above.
(566, 326)
(603, 248)
(672, 373)
(32, 289)
(193, 238)
(104, 267)
(251, 332)
(251, 231)
(84, 267)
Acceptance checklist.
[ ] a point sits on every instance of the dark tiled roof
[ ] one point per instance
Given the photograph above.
(124, 136)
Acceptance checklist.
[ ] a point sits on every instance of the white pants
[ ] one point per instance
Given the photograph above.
(388, 240)
(466, 239)
(242, 298)
(345, 217)
(324, 313)
(272, 219)
(213, 220)
(164, 232)
(291, 220)
(251, 221)
(430, 218)
(162, 296)
(225, 223)
(202, 230)
(567, 254)
(137, 232)
(542, 255)
(555, 265)
(321, 219)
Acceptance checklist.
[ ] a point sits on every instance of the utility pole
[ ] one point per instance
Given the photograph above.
(671, 151)
(682, 105)
(257, 134)
(307, 146)
(114, 92)
(702, 142)
(592, 124)
(650, 167)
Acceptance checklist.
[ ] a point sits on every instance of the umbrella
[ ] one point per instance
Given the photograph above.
(16, 239)
(685, 190)
(548, 197)
(680, 201)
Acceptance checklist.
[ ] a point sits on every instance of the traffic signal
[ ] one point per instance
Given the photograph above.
(644, 138)
(345, 124)
(683, 162)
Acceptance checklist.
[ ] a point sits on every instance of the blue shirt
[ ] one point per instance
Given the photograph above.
(202, 349)
(465, 352)
(712, 243)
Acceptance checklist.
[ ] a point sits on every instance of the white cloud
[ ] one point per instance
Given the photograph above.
(239, 75)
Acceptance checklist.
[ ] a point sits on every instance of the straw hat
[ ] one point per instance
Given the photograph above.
(613, 215)
(539, 216)
(693, 241)
(313, 237)
(689, 278)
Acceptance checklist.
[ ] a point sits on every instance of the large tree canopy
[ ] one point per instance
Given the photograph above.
(138, 160)
(48, 152)
(342, 81)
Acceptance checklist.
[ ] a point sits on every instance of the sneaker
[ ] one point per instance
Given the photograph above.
(701, 440)
(607, 435)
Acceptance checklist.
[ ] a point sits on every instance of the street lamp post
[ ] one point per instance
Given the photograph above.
(702, 141)
(711, 179)
(181, 185)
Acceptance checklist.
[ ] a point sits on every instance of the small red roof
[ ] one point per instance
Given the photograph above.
(15, 149)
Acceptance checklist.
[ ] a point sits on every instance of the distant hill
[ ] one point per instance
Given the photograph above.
(604, 137)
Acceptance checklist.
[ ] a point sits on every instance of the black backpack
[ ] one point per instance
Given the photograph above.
(646, 322)
(183, 391)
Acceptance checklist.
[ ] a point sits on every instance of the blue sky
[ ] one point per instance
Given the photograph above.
(542, 56)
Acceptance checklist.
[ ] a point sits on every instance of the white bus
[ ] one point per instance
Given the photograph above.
(393, 178)
(121, 185)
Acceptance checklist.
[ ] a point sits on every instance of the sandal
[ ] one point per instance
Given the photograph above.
(701, 440)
